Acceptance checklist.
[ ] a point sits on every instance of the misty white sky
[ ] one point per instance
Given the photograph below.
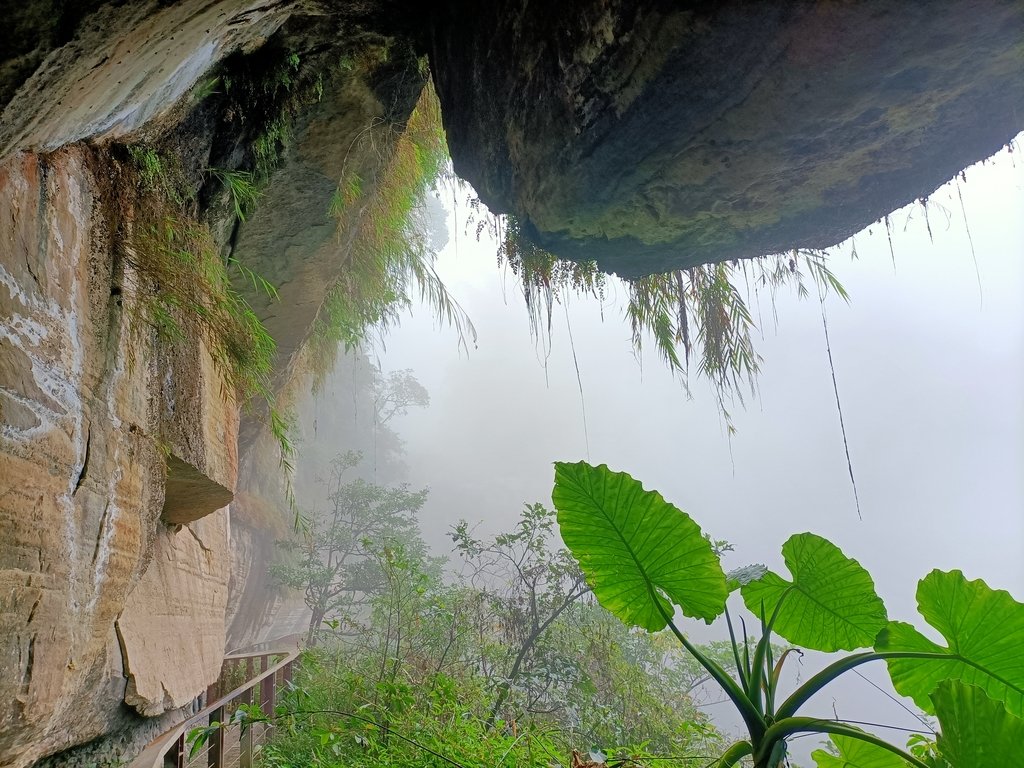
(930, 372)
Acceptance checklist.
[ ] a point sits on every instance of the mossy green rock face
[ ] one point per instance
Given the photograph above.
(653, 135)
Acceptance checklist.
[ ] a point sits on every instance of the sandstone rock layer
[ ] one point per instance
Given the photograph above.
(92, 409)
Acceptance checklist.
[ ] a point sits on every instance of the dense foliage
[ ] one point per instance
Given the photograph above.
(530, 654)
(508, 662)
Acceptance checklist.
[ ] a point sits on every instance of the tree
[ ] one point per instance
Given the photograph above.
(395, 393)
(334, 563)
(528, 584)
(627, 692)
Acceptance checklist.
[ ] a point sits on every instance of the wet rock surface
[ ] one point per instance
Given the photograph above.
(655, 135)
(119, 451)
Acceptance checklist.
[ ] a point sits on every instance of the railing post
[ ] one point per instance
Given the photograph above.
(215, 757)
(264, 666)
(175, 756)
(245, 739)
(267, 693)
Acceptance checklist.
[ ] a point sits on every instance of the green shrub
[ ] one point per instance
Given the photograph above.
(413, 679)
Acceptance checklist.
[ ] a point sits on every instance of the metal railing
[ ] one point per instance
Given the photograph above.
(249, 678)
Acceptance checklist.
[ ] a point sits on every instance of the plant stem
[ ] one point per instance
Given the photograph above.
(735, 649)
(754, 688)
(834, 670)
(751, 717)
(735, 753)
(783, 728)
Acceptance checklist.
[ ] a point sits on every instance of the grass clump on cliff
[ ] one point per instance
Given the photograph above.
(176, 282)
(243, 187)
(543, 277)
(702, 311)
(265, 93)
(390, 258)
(184, 289)
(259, 96)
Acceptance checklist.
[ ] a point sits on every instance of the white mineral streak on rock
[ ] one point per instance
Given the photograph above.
(108, 527)
(71, 248)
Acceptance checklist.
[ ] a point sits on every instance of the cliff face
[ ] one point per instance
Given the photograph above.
(93, 412)
(654, 135)
(119, 450)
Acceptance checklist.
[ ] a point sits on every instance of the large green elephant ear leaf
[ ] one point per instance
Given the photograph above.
(977, 732)
(829, 606)
(854, 753)
(637, 551)
(984, 629)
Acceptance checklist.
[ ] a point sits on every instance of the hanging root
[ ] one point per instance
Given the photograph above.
(839, 408)
(963, 210)
(579, 380)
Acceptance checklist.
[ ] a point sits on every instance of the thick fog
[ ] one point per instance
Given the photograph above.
(930, 373)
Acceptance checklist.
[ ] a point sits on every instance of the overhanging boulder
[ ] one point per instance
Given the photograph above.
(653, 135)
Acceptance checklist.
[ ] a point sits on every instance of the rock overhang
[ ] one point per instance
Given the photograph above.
(650, 136)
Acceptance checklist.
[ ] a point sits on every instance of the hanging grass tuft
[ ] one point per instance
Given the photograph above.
(391, 259)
